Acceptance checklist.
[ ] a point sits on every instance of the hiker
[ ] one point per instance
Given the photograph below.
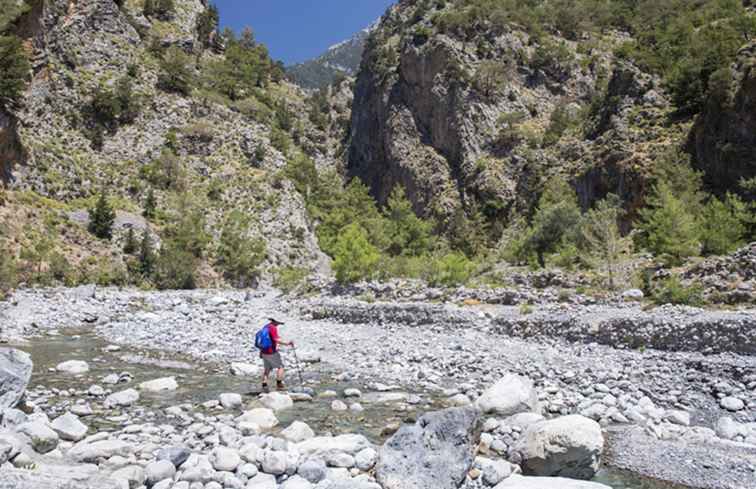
(267, 341)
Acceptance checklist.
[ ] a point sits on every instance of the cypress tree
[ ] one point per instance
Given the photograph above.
(146, 254)
(101, 218)
(130, 246)
(150, 206)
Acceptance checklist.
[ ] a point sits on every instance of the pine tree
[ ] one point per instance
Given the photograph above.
(355, 258)
(605, 243)
(130, 246)
(409, 235)
(724, 225)
(150, 206)
(146, 254)
(101, 218)
(240, 255)
(668, 228)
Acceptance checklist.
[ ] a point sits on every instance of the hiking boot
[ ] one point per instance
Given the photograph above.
(265, 388)
(280, 385)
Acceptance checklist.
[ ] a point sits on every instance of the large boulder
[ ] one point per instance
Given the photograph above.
(521, 482)
(15, 373)
(570, 446)
(511, 395)
(435, 453)
(92, 452)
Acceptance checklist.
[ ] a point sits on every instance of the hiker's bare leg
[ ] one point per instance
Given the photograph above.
(265, 376)
(280, 375)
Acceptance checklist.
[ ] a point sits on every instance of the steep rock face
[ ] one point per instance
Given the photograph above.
(48, 146)
(724, 136)
(429, 115)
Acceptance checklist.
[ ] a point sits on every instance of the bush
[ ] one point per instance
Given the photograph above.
(162, 9)
(186, 230)
(289, 278)
(150, 205)
(166, 172)
(555, 221)
(354, 258)
(118, 105)
(408, 234)
(672, 291)
(8, 271)
(175, 269)
(101, 218)
(451, 270)
(239, 254)
(175, 75)
(15, 68)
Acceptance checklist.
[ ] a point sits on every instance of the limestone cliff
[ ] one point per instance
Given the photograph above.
(724, 136)
(225, 149)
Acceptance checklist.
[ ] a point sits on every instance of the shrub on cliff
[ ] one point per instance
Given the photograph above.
(724, 225)
(14, 67)
(176, 75)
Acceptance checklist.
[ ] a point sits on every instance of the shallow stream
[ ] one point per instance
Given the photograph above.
(200, 382)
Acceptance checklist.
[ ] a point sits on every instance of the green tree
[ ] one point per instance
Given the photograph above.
(724, 225)
(130, 245)
(354, 258)
(240, 254)
(555, 221)
(668, 229)
(604, 242)
(101, 218)
(147, 256)
(14, 71)
(150, 205)
(176, 75)
(408, 234)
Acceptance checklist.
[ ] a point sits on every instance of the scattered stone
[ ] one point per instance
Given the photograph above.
(732, 404)
(276, 401)
(159, 385)
(158, 471)
(511, 395)
(73, 367)
(122, 399)
(297, 432)
(231, 400)
(261, 417)
(68, 427)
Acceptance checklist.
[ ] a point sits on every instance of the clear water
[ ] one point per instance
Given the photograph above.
(202, 382)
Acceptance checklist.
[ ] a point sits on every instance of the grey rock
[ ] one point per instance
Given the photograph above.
(15, 372)
(73, 367)
(435, 453)
(732, 404)
(570, 446)
(313, 469)
(298, 432)
(158, 471)
(511, 395)
(43, 439)
(176, 455)
(133, 475)
(69, 428)
(262, 481)
(122, 399)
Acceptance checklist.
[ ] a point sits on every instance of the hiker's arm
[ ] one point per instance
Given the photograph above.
(285, 343)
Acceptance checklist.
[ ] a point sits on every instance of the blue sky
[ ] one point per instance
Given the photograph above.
(296, 30)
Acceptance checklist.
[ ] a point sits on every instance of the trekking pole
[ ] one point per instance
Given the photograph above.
(299, 369)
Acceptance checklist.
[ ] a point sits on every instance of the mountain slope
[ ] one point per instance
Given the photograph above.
(341, 59)
(199, 152)
(473, 105)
